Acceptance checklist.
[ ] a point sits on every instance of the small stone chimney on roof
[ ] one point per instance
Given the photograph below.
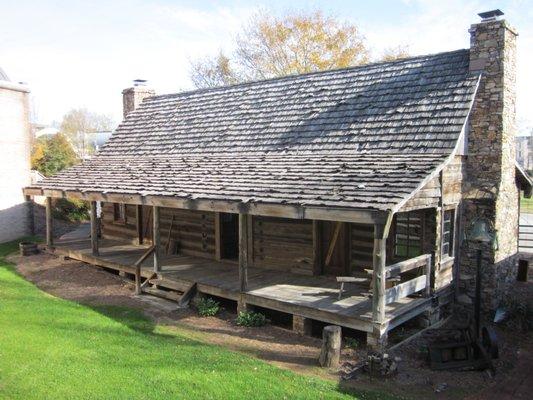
(133, 96)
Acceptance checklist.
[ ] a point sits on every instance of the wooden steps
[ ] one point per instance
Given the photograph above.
(179, 285)
(165, 294)
(180, 292)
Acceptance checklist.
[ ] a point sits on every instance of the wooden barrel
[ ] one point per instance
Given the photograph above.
(28, 248)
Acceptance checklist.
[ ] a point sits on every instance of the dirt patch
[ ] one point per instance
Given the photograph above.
(93, 286)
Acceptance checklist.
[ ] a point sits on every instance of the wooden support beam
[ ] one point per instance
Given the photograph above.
(49, 224)
(361, 216)
(137, 265)
(94, 229)
(169, 234)
(379, 259)
(139, 223)
(30, 214)
(428, 277)
(218, 238)
(148, 279)
(156, 240)
(333, 243)
(317, 248)
(243, 252)
(250, 242)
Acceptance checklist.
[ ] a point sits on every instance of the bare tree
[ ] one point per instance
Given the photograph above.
(395, 53)
(80, 127)
(210, 72)
(270, 46)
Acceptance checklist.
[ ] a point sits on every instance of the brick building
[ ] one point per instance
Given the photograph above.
(15, 145)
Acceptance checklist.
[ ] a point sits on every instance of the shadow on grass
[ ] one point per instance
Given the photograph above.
(131, 318)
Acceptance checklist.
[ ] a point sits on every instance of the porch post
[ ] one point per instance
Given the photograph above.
(317, 248)
(377, 339)
(378, 296)
(156, 240)
(49, 224)
(243, 258)
(94, 229)
(139, 223)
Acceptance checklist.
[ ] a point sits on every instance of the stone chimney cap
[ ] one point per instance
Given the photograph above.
(490, 15)
(139, 82)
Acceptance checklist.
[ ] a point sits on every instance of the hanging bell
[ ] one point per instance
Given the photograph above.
(480, 231)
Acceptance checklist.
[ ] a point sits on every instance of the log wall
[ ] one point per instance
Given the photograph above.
(452, 180)
(361, 246)
(193, 232)
(441, 193)
(112, 229)
(428, 196)
(282, 244)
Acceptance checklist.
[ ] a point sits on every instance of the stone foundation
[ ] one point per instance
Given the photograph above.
(301, 325)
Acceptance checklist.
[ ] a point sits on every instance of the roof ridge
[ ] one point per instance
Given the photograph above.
(292, 76)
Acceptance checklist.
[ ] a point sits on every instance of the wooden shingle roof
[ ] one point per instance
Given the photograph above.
(362, 137)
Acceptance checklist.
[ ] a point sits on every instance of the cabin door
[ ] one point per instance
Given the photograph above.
(229, 231)
(334, 250)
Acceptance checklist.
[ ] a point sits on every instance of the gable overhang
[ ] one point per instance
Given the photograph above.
(339, 214)
(458, 146)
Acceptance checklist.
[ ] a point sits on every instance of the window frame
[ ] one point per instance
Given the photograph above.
(413, 244)
(451, 231)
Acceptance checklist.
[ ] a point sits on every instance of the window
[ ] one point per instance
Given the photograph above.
(447, 232)
(119, 212)
(408, 235)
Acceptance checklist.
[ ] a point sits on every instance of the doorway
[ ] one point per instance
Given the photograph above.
(334, 250)
(229, 236)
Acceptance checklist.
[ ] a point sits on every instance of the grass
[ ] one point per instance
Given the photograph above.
(51, 348)
(526, 205)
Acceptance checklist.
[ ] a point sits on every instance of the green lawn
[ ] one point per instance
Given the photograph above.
(51, 348)
(526, 205)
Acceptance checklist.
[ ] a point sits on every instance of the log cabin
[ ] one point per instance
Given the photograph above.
(276, 193)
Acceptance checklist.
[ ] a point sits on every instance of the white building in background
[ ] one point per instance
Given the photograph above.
(524, 153)
(15, 148)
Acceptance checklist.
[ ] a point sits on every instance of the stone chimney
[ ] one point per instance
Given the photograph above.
(133, 96)
(490, 188)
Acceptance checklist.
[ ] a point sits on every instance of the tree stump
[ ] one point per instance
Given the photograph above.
(331, 346)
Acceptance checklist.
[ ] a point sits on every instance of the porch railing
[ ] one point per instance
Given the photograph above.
(411, 286)
(404, 289)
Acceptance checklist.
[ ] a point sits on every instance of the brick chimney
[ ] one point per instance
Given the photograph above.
(491, 190)
(133, 96)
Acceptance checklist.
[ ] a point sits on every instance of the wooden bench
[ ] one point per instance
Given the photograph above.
(350, 279)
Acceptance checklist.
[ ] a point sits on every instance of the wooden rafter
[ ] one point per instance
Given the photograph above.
(333, 243)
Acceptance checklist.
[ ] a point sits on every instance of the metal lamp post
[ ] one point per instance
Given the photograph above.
(481, 231)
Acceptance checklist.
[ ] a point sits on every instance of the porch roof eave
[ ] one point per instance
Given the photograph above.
(325, 213)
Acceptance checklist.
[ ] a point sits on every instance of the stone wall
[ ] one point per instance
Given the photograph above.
(15, 142)
(490, 190)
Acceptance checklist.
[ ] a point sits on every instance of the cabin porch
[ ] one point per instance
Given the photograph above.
(304, 297)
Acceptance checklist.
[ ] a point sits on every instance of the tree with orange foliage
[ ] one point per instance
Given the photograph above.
(272, 46)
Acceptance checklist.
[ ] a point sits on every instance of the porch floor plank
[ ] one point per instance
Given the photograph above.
(308, 296)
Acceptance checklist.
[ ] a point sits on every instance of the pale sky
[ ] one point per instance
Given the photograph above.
(83, 53)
